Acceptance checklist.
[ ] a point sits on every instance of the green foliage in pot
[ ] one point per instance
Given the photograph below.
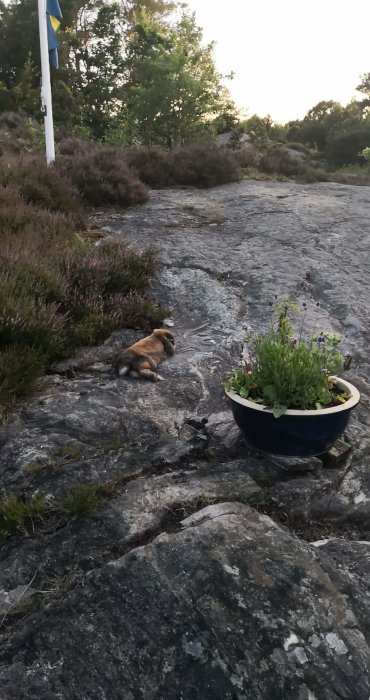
(290, 372)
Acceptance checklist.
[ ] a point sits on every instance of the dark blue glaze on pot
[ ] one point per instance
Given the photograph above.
(296, 433)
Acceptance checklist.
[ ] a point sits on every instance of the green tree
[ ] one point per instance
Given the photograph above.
(263, 131)
(364, 85)
(26, 93)
(132, 70)
(344, 148)
(324, 121)
(173, 89)
(96, 66)
(318, 123)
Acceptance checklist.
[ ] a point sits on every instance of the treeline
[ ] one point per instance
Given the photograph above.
(339, 132)
(134, 72)
(335, 134)
(137, 73)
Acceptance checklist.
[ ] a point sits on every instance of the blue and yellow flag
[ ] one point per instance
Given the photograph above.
(53, 17)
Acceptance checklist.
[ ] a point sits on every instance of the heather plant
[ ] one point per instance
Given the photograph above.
(20, 372)
(58, 291)
(27, 230)
(70, 145)
(26, 321)
(152, 165)
(104, 291)
(31, 276)
(203, 165)
(40, 185)
(19, 133)
(198, 165)
(278, 160)
(134, 310)
(103, 176)
(247, 155)
(127, 269)
(287, 371)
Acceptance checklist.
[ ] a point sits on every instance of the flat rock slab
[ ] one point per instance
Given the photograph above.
(130, 603)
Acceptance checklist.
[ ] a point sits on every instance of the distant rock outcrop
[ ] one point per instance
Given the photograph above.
(227, 138)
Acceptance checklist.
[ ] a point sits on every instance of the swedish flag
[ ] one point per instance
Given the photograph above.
(53, 17)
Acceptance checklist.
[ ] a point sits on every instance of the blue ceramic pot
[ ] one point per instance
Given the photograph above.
(296, 433)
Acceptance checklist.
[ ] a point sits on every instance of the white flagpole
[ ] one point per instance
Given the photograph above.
(46, 102)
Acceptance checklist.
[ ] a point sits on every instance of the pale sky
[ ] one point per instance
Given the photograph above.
(288, 55)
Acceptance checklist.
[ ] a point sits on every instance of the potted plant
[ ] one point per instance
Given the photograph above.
(287, 398)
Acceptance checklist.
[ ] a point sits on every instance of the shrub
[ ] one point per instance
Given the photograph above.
(365, 153)
(247, 155)
(103, 176)
(345, 148)
(72, 145)
(17, 515)
(135, 310)
(30, 275)
(19, 133)
(198, 165)
(34, 225)
(152, 165)
(57, 290)
(25, 318)
(308, 173)
(20, 371)
(82, 499)
(278, 160)
(126, 267)
(104, 291)
(203, 166)
(298, 147)
(351, 175)
(41, 185)
(28, 322)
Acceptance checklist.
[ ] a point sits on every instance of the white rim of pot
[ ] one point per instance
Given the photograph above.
(341, 383)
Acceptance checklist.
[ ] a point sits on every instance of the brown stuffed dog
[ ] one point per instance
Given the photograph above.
(141, 359)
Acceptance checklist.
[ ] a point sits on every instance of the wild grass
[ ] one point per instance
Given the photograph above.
(17, 515)
(82, 499)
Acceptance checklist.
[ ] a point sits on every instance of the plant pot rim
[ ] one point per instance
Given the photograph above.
(341, 383)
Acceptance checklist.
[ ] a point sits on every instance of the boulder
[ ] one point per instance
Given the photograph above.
(231, 606)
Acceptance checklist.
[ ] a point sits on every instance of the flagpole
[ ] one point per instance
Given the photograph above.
(46, 101)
